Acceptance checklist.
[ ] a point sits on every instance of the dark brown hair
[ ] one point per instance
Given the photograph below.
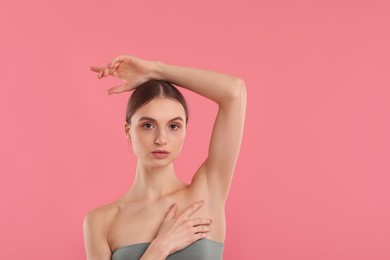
(150, 90)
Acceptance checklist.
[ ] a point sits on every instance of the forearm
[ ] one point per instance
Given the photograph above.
(154, 252)
(218, 87)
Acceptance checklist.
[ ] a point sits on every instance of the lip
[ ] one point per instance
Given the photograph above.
(160, 153)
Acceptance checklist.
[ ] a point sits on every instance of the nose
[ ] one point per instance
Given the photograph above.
(161, 138)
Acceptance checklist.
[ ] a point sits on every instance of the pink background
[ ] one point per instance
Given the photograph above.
(312, 180)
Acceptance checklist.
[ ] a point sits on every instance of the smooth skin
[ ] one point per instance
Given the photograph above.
(159, 207)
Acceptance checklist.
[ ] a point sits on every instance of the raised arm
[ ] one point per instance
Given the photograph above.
(229, 92)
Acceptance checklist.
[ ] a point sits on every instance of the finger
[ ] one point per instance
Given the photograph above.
(198, 236)
(96, 68)
(102, 71)
(100, 74)
(192, 208)
(116, 65)
(202, 229)
(118, 89)
(107, 72)
(117, 60)
(201, 221)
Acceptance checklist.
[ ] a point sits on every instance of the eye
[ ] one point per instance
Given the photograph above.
(147, 126)
(174, 126)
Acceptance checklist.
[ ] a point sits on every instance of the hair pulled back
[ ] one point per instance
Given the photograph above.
(150, 90)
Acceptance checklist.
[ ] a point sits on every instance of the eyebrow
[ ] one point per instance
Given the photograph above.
(145, 118)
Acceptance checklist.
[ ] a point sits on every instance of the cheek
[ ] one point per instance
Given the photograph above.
(139, 140)
(179, 139)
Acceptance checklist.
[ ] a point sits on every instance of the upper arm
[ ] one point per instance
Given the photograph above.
(96, 245)
(225, 143)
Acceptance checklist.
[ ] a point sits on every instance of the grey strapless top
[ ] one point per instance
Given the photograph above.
(202, 249)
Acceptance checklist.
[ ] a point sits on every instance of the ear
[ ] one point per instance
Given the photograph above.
(127, 131)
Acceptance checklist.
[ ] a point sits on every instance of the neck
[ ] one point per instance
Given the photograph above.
(151, 183)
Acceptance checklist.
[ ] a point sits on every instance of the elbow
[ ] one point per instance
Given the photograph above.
(240, 89)
(236, 92)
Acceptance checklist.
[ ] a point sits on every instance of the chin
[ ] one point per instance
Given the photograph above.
(159, 164)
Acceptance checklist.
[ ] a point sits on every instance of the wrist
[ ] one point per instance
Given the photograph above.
(159, 248)
(157, 70)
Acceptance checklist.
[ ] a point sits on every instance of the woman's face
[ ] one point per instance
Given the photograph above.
(158, 126)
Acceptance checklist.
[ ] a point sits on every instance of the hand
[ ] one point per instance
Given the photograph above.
(130, 69)
(176, 233)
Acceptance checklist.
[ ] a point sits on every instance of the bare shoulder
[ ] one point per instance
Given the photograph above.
(95, 227)
(102, 214)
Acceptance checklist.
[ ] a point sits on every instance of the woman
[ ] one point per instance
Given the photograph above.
(160, 216)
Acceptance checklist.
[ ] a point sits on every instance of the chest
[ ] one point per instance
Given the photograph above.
(140, 222)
